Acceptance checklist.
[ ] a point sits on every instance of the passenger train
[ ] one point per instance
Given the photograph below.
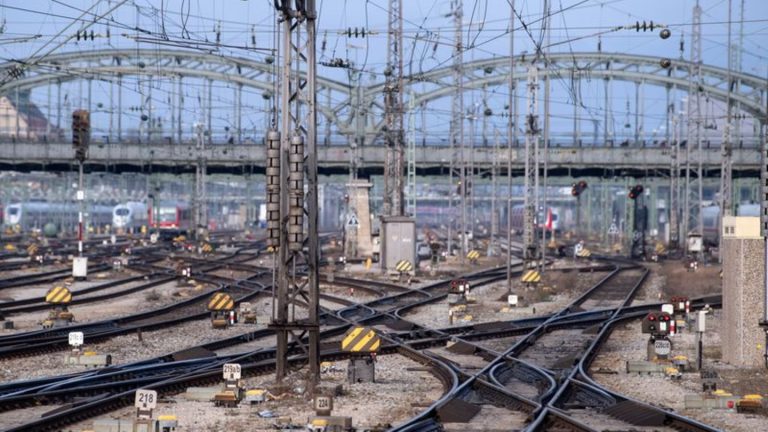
(549, 220)
(130, 217)
(171, 217)
(64, 216)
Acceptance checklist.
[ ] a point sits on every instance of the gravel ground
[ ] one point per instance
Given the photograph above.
(628, 343)
(144, 300)
(397, 395)
(9, 419)
(557, 290)
(491, 419)
(500, 344)
(651, 290)
(124, 349)
(604, 422)
(33, 268)
(358, 295)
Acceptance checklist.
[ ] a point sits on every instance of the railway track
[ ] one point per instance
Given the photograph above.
(513, 370)
(475, 377)
(98, 261)
(45, 341)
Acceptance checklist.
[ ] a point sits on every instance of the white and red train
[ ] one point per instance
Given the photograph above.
(165, 216)
(548, 220)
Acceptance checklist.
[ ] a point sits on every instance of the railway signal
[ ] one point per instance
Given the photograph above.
(578, 188)
(638, 222)
(81, 137)
(656, 324)
(81, 133)
(636, 191)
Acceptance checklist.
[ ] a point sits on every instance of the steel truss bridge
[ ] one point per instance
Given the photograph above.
(352, 114)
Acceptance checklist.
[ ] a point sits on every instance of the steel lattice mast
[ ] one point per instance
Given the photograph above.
(297, 165)
(394, 181)
(511, 138)
(726, 150)
(674, 182)
(457, 167)
(530, 244)
(694, 186)
(411, 159)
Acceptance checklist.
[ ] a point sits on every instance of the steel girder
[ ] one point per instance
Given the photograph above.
(104, 64)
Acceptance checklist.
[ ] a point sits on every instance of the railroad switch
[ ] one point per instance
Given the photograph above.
(721, 399)
(234, 388)
(256, 396)
(329, 424)
(222, 311)
(87, 358)
(59, 297)
(324, 421)
(247, 313)
(80, 357)
(230, 395)
(164, 423)
(363, 343)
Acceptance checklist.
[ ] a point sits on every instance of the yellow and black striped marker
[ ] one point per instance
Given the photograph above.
(404, 266)
(473, 255)
(361, 339)
(221, 302)
(58, 295)
(584, 253)
(531, 276)
(207, 248)
(32, 249)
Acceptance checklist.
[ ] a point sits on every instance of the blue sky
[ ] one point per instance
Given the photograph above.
(428, 34)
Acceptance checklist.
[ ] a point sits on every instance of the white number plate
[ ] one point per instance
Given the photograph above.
(231, 371)
(662, 347)
(323, 403)
(76, 339)
(145, 399)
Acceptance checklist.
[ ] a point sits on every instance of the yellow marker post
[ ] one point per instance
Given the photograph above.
(361, 339)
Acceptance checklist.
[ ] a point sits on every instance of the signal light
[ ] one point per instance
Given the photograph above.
(578, 188)
(636, 191)
(81, 132)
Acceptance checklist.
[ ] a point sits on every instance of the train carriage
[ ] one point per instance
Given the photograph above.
(62, 216)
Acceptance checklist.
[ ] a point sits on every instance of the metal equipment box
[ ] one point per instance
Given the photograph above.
(398, 241)
(80, 267)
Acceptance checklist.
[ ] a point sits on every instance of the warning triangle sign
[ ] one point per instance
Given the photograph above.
(352, 221)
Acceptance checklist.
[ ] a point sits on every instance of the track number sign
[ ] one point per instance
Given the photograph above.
(76, 339)
(662, 347)
(323, 403)
(145, 399)
(231, 371)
